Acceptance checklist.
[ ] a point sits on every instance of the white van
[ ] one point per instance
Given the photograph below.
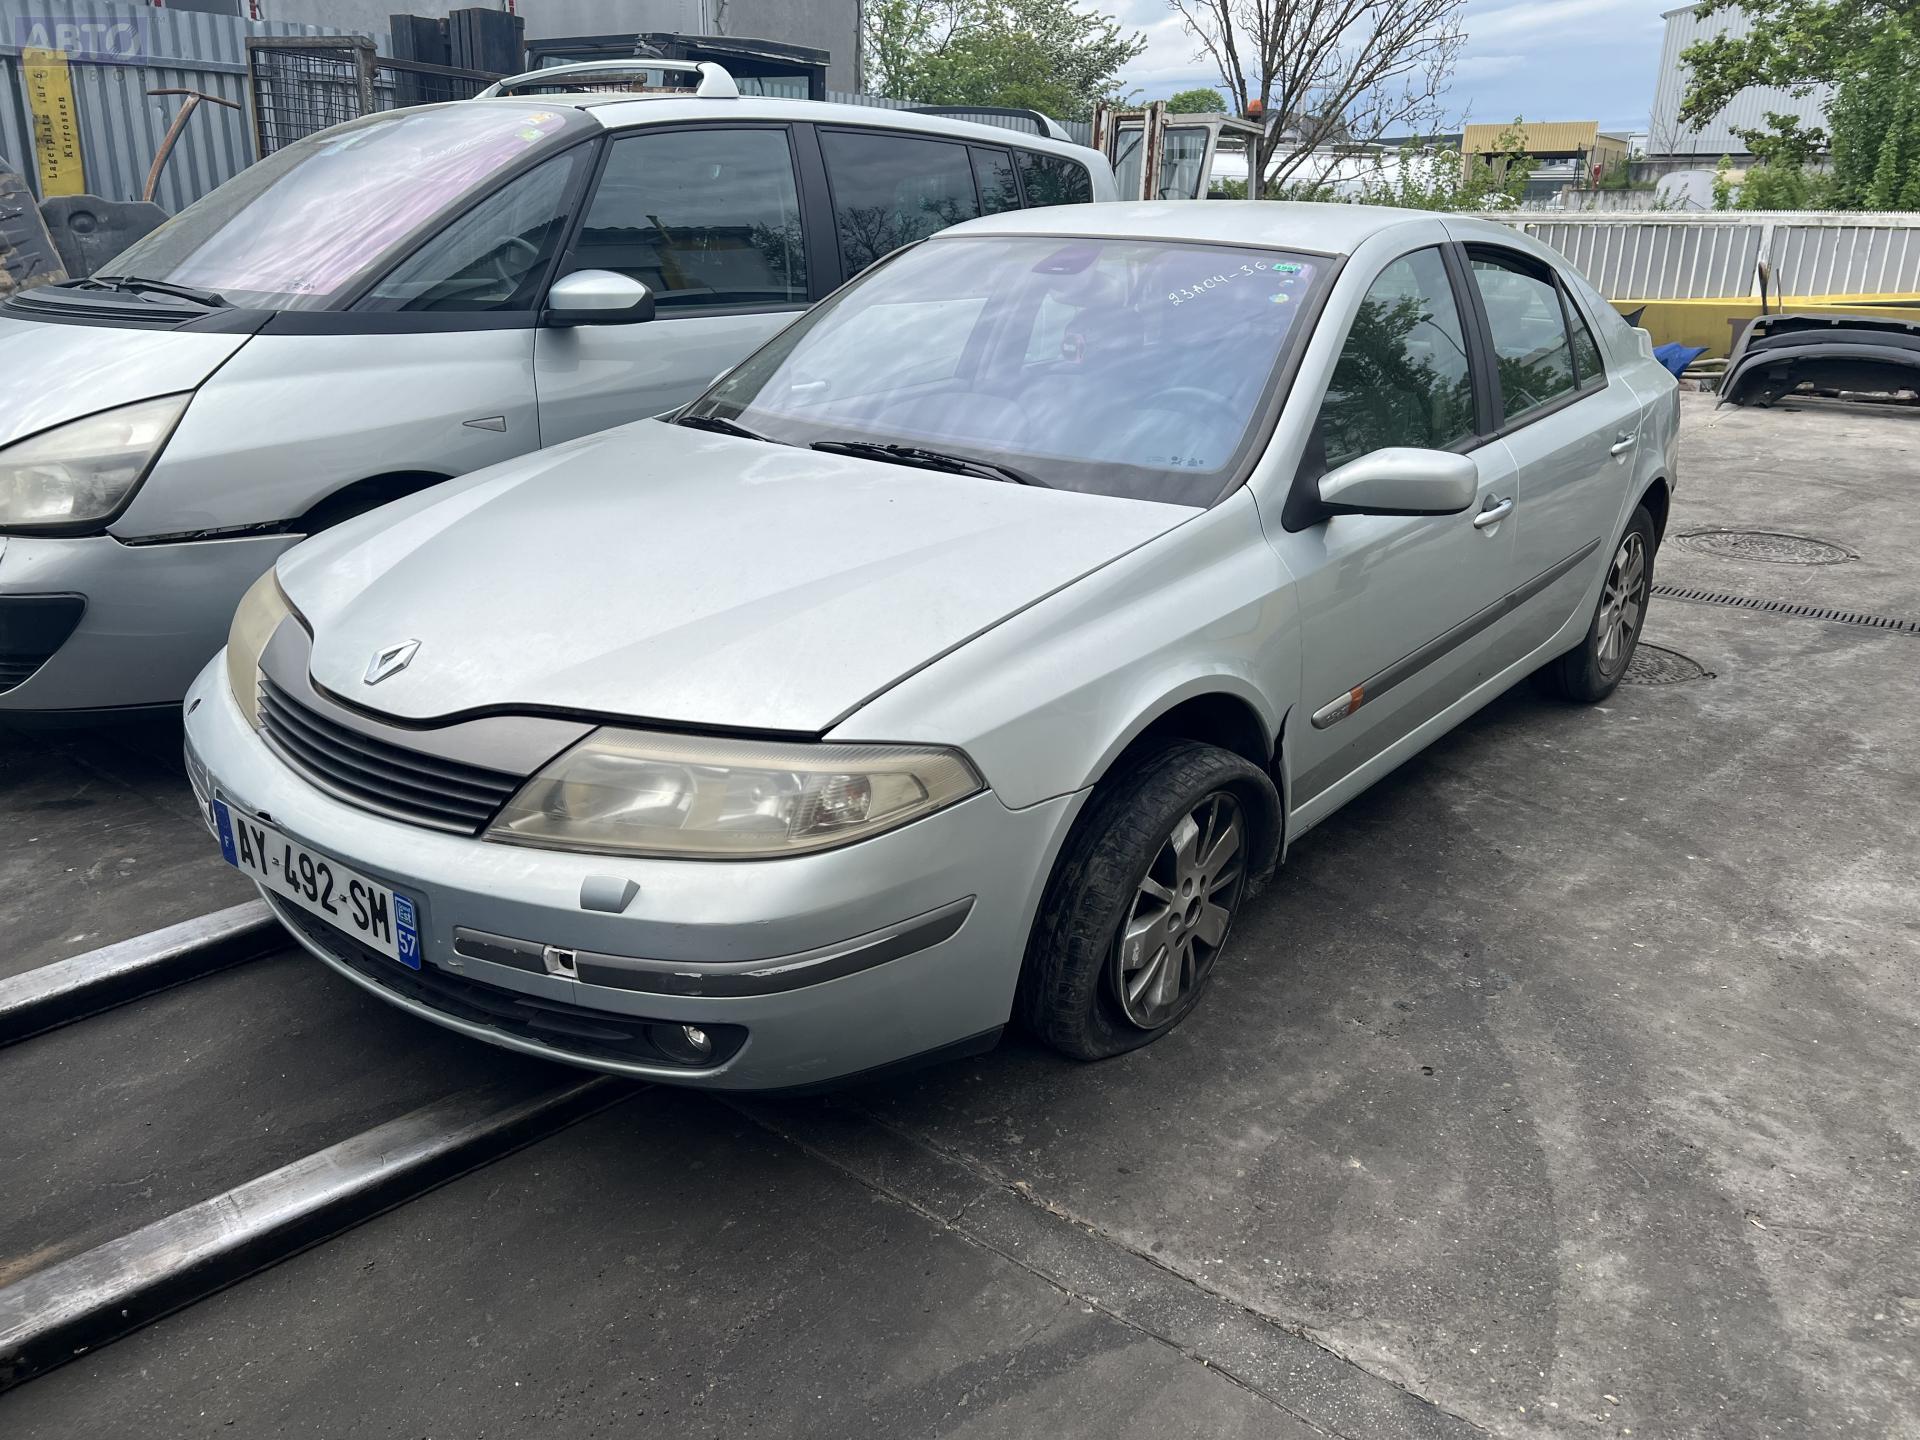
(411, 296)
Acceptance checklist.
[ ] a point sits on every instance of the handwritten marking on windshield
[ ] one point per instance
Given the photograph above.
(1285, 271)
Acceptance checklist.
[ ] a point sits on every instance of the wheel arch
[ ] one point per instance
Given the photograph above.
(356, 497)
(1221, 710)
(1657, 499)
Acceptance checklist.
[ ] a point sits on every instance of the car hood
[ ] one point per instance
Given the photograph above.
(667, 574)
(52, 372)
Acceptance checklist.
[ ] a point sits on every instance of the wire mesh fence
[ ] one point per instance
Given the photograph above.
(304, 84)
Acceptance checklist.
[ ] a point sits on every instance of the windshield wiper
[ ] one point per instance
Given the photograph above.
(161, 287)
(928, 460)
(720, 425)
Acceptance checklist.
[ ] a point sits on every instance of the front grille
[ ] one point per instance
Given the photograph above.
(571, 1029)
(379, 776)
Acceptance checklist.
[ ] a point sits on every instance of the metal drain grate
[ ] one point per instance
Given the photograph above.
(1652, 665)
(1783, 607)
(1768, 547)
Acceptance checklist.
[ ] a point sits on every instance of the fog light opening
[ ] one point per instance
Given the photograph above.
(683, 1044)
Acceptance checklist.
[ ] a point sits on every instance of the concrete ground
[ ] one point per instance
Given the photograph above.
(1563, 1085)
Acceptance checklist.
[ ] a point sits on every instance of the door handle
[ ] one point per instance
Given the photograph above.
(1623, 444)
(1496, 511)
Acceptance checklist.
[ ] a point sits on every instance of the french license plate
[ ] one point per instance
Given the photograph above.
(378, 917)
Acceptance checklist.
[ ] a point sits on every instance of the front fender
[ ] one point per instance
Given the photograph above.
(1044, 702)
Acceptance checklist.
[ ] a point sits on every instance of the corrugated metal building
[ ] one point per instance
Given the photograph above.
(1668, 137)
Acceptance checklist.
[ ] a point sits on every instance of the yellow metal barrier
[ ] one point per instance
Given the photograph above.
(1715, 323)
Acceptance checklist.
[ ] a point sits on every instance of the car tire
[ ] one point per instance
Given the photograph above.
(1592, 669)
(1083, 990)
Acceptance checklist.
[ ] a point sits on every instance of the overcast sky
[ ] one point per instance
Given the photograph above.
(1539, 59)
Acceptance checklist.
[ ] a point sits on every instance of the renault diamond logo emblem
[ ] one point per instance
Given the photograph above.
(391, 661)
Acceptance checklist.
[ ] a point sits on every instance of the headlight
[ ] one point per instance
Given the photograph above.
(261, 610)
(81, 472)
(629, 793)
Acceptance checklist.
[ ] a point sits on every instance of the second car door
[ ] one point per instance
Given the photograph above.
(709, 218)
(1388, 603)
(1569, 425)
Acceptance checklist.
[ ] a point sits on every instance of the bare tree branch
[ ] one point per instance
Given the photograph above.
(1326, 71)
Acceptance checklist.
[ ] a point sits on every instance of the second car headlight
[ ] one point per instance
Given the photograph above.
(81, 472)
(632, 793)
(261, 610)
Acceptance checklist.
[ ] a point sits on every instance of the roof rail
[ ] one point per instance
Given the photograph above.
(1042, 124)
(590, 76)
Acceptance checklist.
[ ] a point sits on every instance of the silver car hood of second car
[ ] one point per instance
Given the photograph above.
(51, 373)
(666, 574)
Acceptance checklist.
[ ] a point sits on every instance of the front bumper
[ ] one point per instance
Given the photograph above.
(151, 615)
(833, 963)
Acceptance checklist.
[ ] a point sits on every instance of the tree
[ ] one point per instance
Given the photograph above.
(1867, 51)
(1326, 70)
(1046, 55)
(1204, 100)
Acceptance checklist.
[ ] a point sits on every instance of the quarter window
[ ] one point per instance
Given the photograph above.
(891, 190)
(702, 217)
(1402, 377)
(1054, 180)
(1529, 332)
(1586, 352)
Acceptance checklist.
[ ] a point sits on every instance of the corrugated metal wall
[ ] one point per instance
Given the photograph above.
(120, 125)
(1699, 257)
(1080, 130)
(1667, 136)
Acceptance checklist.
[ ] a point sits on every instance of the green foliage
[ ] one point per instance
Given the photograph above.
(1866, 50)
(1204, 100)
(1046, 55)
(1619, 176)
(1435, 178)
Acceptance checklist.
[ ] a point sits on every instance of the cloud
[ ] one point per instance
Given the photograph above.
(1547, 59)
(1555, 18)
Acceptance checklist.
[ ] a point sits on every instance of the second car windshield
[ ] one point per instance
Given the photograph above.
(1118, 367)
(298, 230)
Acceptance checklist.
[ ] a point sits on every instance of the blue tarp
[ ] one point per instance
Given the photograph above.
(1676, 357)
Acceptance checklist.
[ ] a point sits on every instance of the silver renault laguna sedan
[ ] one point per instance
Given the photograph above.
(971, 652)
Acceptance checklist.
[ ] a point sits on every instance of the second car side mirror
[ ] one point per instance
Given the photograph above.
(598, 297)
(1401, 480)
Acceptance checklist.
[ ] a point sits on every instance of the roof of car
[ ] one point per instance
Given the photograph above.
(1330, 229)
(621, 110)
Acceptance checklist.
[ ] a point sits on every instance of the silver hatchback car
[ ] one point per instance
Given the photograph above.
(970, 652)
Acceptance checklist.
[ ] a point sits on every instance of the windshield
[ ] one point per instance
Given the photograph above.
(1115, 367)
(299, 230)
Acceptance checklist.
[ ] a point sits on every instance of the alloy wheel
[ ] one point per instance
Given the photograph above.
(1181, 912)
(1623, 602)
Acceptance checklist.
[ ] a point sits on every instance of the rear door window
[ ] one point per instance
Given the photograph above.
(704, 217)
(1529, 332)
(890, 190)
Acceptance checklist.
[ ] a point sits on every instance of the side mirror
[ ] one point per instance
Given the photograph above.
(1402, 481)
(598, 297)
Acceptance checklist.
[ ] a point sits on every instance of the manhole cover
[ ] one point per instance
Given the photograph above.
(1653, 666)
(1769, 547)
